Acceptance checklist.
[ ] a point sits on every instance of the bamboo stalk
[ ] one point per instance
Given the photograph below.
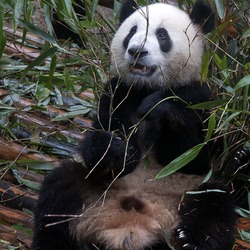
(13, 236)
(15, 196)
(14, 216)
(10, 150)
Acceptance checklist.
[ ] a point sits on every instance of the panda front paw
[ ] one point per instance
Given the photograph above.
(106, 155)
(103, 153)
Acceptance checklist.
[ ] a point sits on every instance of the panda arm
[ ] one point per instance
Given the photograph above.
(172, 127)
(171, 104)
(62, 193)
(207, 219)
(105, 149)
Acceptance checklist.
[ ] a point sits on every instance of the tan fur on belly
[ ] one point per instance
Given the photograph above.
(136, 210)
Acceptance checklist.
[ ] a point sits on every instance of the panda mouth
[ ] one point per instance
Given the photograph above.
(141, 69)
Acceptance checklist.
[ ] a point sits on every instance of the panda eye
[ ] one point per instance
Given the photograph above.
(162, 34)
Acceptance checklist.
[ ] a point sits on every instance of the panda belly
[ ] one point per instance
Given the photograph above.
(135, 212)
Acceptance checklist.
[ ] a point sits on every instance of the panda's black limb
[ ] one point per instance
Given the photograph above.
(60, 195)
(207, 219)
(166, 122)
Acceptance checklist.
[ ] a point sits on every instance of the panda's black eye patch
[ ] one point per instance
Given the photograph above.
(164, 39)
(162, 34)
(129, 36)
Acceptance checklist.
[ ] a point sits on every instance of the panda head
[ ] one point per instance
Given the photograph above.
(159, 44)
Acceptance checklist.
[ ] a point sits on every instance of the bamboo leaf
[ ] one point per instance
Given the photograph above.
(71, 114)
(210, 105)
(94, 4)
(48, 53)
(42, 93)
(2, 35)
(220, 8)
(211, 126)
(18, 11)
(205, 63)
(243, 212)
(246, 33)
(37, 31)
(242, 83)
(180, 161)
(52, 68)
(226, 122)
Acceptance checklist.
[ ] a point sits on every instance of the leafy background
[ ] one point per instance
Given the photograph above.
(49, 87)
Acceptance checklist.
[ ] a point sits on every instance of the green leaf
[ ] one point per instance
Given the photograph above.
(242, 83)
(205, 63)
(30, 184)
(2, 35)
(217, 60)
(210, 105)
(246, 33)
(52, 68)
(67, 7)
(245, 235)
(94, 4)
(18, 11)
(220, 8)
(41, 165)
(243, 212)
(42, 93)
(47, 53)
(47, 16)
(211, 126)
(37, 31)
(71, 114)
(180, 161)
(226, 122)
(6, 110)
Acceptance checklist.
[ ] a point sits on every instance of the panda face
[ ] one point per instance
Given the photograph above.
(157, 46)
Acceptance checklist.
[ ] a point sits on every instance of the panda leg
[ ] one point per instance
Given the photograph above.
(207, 219)
(61, 194)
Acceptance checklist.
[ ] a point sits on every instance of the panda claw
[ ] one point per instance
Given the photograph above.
(185, 240)
(189, 246)
(182, 234)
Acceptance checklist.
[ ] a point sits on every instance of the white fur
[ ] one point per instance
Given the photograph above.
(178, 66)
(104, 221)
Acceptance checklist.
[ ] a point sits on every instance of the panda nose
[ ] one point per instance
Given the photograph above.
(137, 52)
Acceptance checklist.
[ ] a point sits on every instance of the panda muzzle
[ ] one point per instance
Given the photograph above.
(142, 69)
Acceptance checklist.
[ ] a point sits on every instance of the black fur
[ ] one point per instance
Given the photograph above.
(60, 195)
(129, 36)
(133, 121)
(164, 40)
(171, 126)
(127, 9)
(207, 219)
(203, 15)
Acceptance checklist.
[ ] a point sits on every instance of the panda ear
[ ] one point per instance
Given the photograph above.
(203, 15)
(127, 9)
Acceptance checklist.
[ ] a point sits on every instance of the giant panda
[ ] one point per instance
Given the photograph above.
(107, 197)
